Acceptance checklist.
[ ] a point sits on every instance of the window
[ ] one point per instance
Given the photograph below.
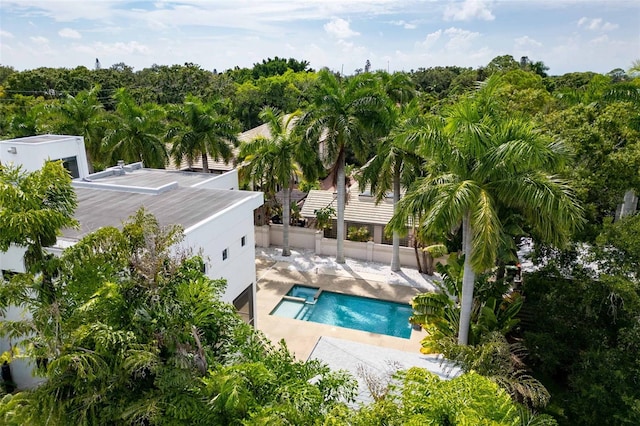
(71, 164)
(244, 305)
(243, 241)
(225, 254)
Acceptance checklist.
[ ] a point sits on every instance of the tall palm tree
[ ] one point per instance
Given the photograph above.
(83, 115)
(481, 159)
(134, 133)
(343, 114)
(202, 129)
(395, 164)
(278, 159)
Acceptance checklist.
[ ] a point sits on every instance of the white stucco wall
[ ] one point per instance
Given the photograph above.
(298, 237)
(225, 231)
(228, 180)
(21, 368)
(32, 155)
(13, 259)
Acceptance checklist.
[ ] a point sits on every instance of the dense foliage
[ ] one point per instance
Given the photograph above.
(139, 336)
(576, 330)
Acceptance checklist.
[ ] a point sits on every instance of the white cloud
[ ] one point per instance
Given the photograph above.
(69, 33)
(459, 39)
(132, 47)
(6, 34)
(339, 28)
(63, 11)
(526, 41)
(39, 40)
(596, 24)
(431, 39)
(603, 39)
(468, 10)
(404, 24)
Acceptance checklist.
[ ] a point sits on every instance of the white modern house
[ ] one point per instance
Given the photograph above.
(217, 218)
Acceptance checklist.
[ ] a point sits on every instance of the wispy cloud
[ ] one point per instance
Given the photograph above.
(596, 24)
(39, 40)
(404, 24)
(69, 33)
(468, 10)
(339, 28)
(526, 41)
(132, 47)
(6, 34)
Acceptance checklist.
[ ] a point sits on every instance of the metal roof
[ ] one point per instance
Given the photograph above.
(359, 208)
(220, 165)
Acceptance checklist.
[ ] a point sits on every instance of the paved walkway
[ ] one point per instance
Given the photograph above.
(375, 364)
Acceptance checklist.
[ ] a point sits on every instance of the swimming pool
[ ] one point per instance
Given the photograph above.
(344, 310)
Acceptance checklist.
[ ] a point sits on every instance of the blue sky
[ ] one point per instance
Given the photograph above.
(567, 35)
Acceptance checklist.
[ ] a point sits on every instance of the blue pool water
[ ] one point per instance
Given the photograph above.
(343, 310)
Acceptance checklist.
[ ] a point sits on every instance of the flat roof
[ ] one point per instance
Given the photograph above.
(150, 178)
(39, 139)
(98, 208)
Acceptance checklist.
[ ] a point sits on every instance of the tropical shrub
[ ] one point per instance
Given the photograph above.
(360, 234)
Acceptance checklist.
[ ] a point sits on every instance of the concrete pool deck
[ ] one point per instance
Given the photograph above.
(277, 275)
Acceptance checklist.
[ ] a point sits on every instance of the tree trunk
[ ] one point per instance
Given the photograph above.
(468, 281)
(342, 190)
(89, 161)
(429, 261)
(395, 253)
(500, 270)
(415, 250)
(286, 215)
(205, 163)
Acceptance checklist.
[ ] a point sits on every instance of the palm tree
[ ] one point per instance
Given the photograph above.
(277, 160)
(82, 115)
(202, 129)
(343, 115)
(134, 133)
(480, 160)
(395, 164)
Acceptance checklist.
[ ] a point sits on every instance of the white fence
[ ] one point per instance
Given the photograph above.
(307, 238)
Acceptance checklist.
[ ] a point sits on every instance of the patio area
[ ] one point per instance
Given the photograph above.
(276, 275)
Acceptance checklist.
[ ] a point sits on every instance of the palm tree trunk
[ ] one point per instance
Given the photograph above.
(286, 214)
(468, 280)
(342, 190)
(395, 253)
(415, 250)
(205, 163)
(89, 161)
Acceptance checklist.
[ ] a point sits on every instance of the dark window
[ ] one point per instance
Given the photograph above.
(71, 164)
(225, 254)
(244, 305)
(243, 241)
(7, 275)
